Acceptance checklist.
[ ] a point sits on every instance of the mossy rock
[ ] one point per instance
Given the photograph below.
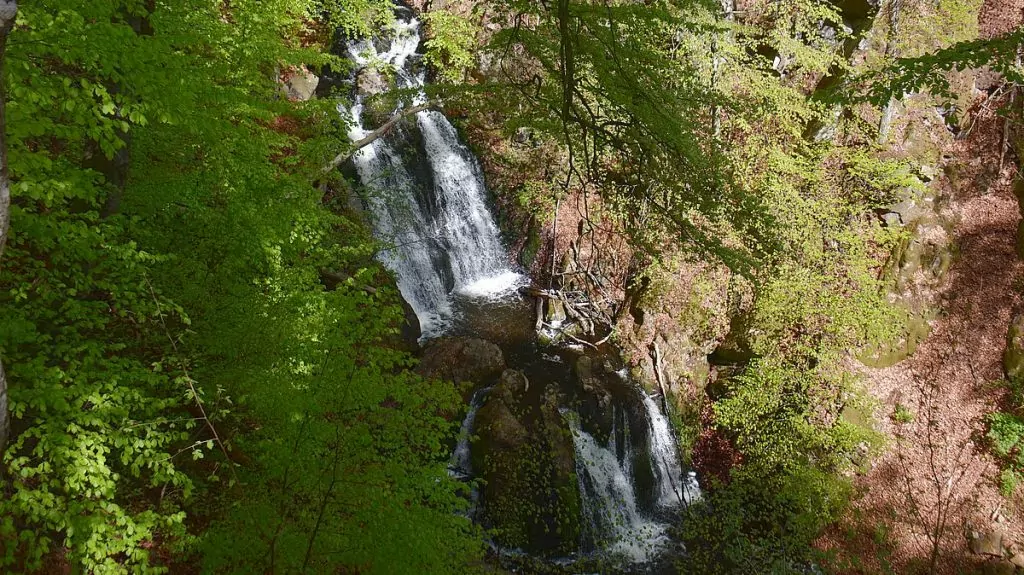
(916, 328)
(1013, 357)
(524, 450)
(531, 247)
(461, 359)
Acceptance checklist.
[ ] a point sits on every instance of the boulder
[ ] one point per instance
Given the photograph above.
(1013, 357)
(461, 359)
(987, 543)
(370, 82)
(300, 85)
(554, 311)
(928, 173)
(591, 382)
(523, 447)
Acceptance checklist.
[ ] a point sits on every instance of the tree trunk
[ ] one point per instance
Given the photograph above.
(8, 11)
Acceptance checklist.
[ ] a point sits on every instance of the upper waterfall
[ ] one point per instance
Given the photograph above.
(439, 235)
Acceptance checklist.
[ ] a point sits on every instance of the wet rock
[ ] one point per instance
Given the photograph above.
(411, 329)
(531, 246)
(300, 85)
(1013, 357)
(513, 383)
(590, 382)
(524, 450)
(554, 311)
(370, 82)
(461, 359)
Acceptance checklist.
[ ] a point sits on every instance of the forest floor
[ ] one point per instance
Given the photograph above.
(936, 483)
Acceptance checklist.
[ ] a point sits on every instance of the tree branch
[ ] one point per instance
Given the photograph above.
(376, 134)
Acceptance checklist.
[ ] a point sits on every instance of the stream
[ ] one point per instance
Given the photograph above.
(425, 193)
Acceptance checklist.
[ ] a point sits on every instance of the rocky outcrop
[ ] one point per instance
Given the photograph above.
(1013, 357)
(461, 359)
(370, 81)
(676, 320)
(299, 85)
(523, 447)
(916, 269)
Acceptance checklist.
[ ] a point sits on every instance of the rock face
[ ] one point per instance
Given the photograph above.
(915, 271)
(524, 450)
(1013, 357)
(370, 82)
(675, 320)
(300, 85)
(991, 542)
(461, 359)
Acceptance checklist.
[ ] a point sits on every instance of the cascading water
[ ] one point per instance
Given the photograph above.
(429, 209)
(673, 489)
(459, 466)
(617, 523)
(442, 238)
(610, 503)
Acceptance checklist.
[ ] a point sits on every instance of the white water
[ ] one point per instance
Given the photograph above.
(609, 501)
(673, 489)
(441, 236)
(442, 242)
(460, 465)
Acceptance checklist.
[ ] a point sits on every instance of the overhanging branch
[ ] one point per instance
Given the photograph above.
(376, 134)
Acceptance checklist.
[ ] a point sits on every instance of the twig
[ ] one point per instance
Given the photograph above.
(191, 384)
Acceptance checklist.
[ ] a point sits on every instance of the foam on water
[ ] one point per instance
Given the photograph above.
(495, 287)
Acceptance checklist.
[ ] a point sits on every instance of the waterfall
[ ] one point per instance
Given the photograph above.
(609, 501)
(439, 235)
(460, 466)
(673, 489)
(427, 200)
(616, 522)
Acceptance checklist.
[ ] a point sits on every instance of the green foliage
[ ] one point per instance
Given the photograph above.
(451, 43)
(901, 414)
(162, 281)
(929, 71)
(613, 85)
(1006, 434)
(760, 524)
(774, 414)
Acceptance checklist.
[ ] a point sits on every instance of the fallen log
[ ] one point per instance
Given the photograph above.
(376, 134)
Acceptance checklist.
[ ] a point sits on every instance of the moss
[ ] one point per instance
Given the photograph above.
(531, 246)
(916, 328)
(531, 492)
